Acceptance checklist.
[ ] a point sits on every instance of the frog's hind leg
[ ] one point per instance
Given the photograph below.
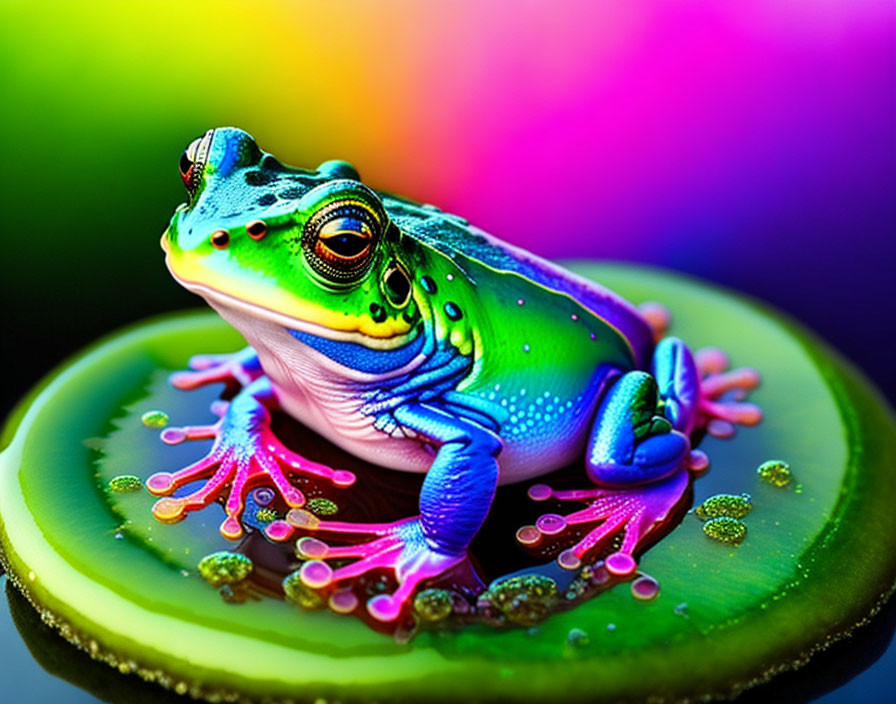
(638, 455)
(640, 451)
(699, 394)
(455, 498)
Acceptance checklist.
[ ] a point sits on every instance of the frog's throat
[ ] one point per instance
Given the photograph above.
(257, 311)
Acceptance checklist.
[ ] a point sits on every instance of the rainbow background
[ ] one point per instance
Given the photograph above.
(753, 144)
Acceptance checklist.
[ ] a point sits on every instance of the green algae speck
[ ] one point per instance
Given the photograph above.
(726, 530)
(526, 599)
(155, 419)
(322, 507)
(433, 604)
(732, 505)
(224, 568)
(265, 515)
(125, 483)
(775, 472)
(299, 594)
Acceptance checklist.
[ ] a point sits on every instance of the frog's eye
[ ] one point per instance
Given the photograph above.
(192, 161)
(339, 240)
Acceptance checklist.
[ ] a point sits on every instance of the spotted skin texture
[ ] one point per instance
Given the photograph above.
(416, 341)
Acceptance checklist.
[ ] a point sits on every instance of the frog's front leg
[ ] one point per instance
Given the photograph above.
(455, 498)
(640, 452)
(245, 454)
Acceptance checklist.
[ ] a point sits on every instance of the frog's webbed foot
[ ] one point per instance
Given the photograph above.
(454, 500)
(245, 454)
(241, 368)
(720, 405)
(633, 513)
(401, 547)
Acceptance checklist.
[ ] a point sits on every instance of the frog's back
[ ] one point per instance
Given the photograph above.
(546, 341)
(471, 248)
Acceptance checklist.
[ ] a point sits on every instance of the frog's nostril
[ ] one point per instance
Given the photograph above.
(257, 229)
(220, 239)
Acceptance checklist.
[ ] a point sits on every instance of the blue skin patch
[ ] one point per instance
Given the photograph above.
(361, 358)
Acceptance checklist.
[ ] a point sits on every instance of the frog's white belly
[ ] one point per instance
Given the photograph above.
(314, 389)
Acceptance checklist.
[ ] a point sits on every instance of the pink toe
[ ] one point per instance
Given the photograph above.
(231, 528)
(748, 414)
(344, 601)
(343, 478)
(278, 530)
(528, 535)
(300, 518)
(316, 574)
(160, 483)
(383, 608)
(201, 361)
(539, 492)
(698, 461)
(711, 360)
(720, 428)
(294, 497)
(181, 380)
(172, 436)
(568, 560)
(550, 524)
(311, 548)
(620, 563)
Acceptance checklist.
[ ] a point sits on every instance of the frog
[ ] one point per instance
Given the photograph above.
(416, 341)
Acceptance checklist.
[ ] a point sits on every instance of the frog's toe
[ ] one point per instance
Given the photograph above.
(743, 379)
(241, 368)
(657, 316)
(173, 509)
(199, 362)
(300, 519)
(710, 360)
(200, 376)
(721, 406)
(634, 512)
(177, 435)
(403, 550)
(338, 477)
(163, 483)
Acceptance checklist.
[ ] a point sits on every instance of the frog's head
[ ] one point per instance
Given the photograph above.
(310, 250)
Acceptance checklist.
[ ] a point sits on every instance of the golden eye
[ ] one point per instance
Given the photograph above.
(345, 238)
(340, 239)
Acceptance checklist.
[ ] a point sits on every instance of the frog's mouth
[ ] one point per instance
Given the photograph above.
(268, 303)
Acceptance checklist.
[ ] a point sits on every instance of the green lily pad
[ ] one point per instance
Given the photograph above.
(813, 564)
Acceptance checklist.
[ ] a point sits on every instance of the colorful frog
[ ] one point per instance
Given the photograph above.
(417, 342)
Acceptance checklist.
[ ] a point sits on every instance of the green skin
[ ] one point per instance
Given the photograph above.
(400, 332)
